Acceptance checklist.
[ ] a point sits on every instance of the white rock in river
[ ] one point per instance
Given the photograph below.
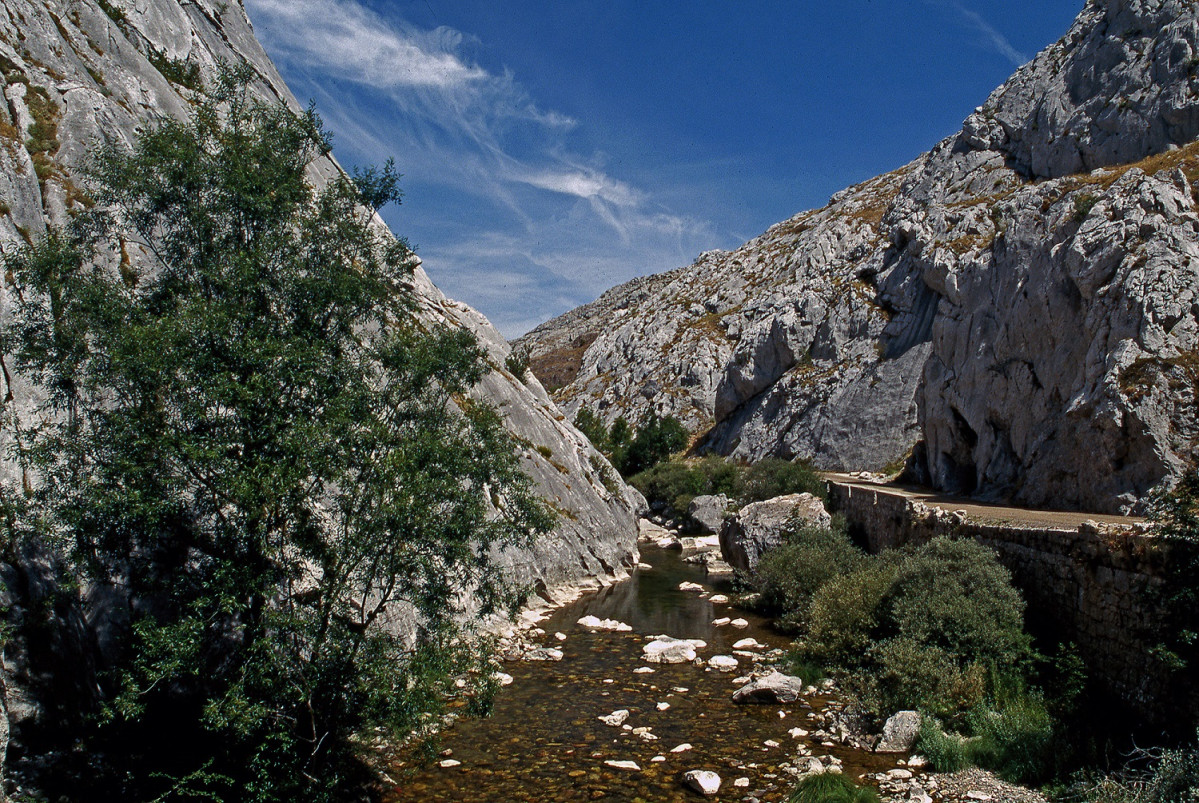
(741, 783)
(624, 765)
(689, 586)
(721, 622)
(773, 688)
(683, 748)
(748, 644)
(595, 623)
(643, 670)
(705, 782)
(663, 706)
(739, 623)
(667, 650)
(718, 599)
(449, 762)
(616, 718)
(725, 663)
(503, 678)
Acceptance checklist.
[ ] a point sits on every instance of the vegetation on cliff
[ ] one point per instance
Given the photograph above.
(250, 444)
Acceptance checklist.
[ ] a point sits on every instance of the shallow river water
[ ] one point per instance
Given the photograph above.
(544, 741)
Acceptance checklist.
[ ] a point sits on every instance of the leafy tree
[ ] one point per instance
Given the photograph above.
(657, 439)
(591, 425)
(254, 442)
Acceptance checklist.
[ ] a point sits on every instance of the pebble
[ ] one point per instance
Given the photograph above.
(560, 636)
(624, 765)
(663, 706)
(976, 795)
(739, 623)
(683, 748)
(657, 759)
(718, 599)
(721, 622)
(643, 670)
(725, 663)
(741, 783)
(503, 678)
(449, 762)
(686, 585)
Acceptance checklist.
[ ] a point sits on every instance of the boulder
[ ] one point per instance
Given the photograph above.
(759, 526)
(705, 782)
(771, 689)
(705, 514)
(667, 650)
(899, 733)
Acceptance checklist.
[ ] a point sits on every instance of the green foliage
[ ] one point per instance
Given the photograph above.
(790, 575)
(591, 425)
(656, 440)
(254, 440)
(773, 477)
(115, 14)
(916, 629)
(1176, 514)
(178, 71)
(1083, 204)
(945, 752)
(831, 788)
(1016, 740)
(517, 362)
(632, 451)
(674, 483)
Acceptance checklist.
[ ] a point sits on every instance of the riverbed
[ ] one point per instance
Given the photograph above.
(544, 740)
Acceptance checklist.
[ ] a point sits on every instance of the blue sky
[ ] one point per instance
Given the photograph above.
(551, 150)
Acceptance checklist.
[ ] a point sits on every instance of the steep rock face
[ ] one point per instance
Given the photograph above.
(1031, 325)
(74, 73)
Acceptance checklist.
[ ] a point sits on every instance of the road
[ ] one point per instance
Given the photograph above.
(984, 511)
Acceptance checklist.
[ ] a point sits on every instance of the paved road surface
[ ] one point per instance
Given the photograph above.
(984, 511)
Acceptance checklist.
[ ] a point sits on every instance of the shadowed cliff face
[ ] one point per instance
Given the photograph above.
(75, 74)
(1022, 299)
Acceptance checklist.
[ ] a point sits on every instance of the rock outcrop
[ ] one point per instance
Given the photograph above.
(79, 73)
(1016, 310)
(761, 526)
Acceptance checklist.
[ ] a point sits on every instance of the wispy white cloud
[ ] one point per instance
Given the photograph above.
(991, 36)
(561, 228)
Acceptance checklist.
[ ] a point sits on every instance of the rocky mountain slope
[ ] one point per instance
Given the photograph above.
(74, 73)
(1015, 310)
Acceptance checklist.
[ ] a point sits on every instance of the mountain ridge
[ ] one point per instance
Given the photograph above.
(976, 312)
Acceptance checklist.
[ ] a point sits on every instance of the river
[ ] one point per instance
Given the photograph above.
(544, 742)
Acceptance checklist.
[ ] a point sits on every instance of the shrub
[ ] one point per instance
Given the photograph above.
(773, 477)
(844, 613)
(956, 596)
(517, 362)
(591, 425)
(789, 576)
(1016, 741)
(672, 484)
(831, 788)
(946, 752)
(902, 673)
(656, 440)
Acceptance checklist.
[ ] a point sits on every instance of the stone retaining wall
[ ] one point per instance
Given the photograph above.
(1092, 585)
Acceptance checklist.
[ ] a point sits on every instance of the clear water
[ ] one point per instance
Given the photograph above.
(543, 741)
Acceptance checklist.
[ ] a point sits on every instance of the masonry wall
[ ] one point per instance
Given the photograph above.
(1092, 585)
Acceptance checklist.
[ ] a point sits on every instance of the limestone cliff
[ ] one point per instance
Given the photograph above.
(75, 73)
(1016, 308)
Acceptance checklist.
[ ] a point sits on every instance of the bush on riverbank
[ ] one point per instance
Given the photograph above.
(915, 629)
(675, 483)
